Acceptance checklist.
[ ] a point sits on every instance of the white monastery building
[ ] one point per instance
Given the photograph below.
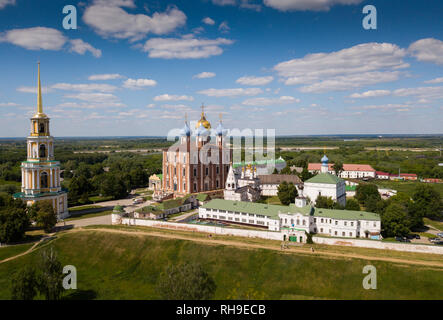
(325, 184)
(351, 171)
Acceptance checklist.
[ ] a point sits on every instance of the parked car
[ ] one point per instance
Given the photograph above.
(137, 201)
(440, 234)
(410, 236)
(398, 238)
(417, 236)
(434, 239)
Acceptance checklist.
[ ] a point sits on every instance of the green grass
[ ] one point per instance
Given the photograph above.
(433, 223)
(121, 266)
(10, 251)
(81, 208)
(407, 186)
(100, 198)
(16, 183)
(89, 215)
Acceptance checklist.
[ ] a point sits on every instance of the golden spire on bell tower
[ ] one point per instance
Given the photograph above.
(40, 113)
(203, 120)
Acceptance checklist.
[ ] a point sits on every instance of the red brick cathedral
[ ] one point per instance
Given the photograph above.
(198, 162)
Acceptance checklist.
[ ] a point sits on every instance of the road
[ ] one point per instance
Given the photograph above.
(86, 222)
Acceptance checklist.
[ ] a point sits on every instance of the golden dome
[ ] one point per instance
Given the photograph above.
(203, 121)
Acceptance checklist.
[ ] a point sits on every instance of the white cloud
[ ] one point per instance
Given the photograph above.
(254, 81)
(224, 2)
(304, 5)
(139, 83)
(428, 50)
(33, 89)
(8, 104)
(270, 101)
(4, 3)
(208, 21)
(173, 97)
(93, 97)
(106, 76)
(231, 92)
(42, 38)
(428, 93)
(101, 87)
(385, 107)
(436, 80)
(246, 4)
(353, 67)
(116, 3)
(86, 105)
(113, 21)
(36, 38)
(223, 27)
(184, 48)
(80, 47)
(204, 75)
(370, 94)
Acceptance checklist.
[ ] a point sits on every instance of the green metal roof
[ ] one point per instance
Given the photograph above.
(272, 211)
(346, 214)
(258, 162)
(351, 188)
(327, 178)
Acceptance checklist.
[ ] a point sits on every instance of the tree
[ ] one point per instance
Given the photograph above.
(394, 221)
(287, 192)
(186, 282)
(275, 171)
(371, 203)
(338, 168)
(24, 284)
(305, 175)
(45, 215)
(51, 277)
(352, 204)
(428, 201)
(364, 191)
(13, 220)
(324, 202)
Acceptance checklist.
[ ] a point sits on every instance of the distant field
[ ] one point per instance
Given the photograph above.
(122, 266)
(407, 186)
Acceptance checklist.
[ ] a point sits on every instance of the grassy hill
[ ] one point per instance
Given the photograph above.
(125, 266)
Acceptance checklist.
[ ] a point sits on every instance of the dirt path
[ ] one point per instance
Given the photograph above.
(24, 253)
(209, 241)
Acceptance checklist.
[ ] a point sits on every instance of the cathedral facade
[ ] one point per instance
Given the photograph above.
(198, 162)
(40, 172)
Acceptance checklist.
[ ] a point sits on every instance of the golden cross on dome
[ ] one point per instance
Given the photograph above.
(186, 117)
(220, 116)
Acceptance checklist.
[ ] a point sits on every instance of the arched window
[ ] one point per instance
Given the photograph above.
(41, 128)
(43, 180)
(42, 153)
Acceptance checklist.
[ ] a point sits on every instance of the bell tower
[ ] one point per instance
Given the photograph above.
(40, 172)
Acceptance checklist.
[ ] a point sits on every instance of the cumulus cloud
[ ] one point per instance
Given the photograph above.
(223, 27)
(307, 5)
(139, 83)
(370, 94)
(106, 76)
(84, 87)
(427, 93)
(80, 47)
(204, 75)
(4, 3)
(436, 80)
(187, 47)
(113, 21)
(93, 97)
(36, 38)
(173, 97)
(8, 104)
(246, 4)
(208, 21)
(231, 92)
(254, 81)
(34, 89)
(353, 67)
(270, 101)
(428, 50)
(42, 38)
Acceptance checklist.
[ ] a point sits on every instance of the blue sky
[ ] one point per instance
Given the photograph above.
(134, 68)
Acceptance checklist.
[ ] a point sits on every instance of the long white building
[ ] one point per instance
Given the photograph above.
(295, 220)
(350, 171)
